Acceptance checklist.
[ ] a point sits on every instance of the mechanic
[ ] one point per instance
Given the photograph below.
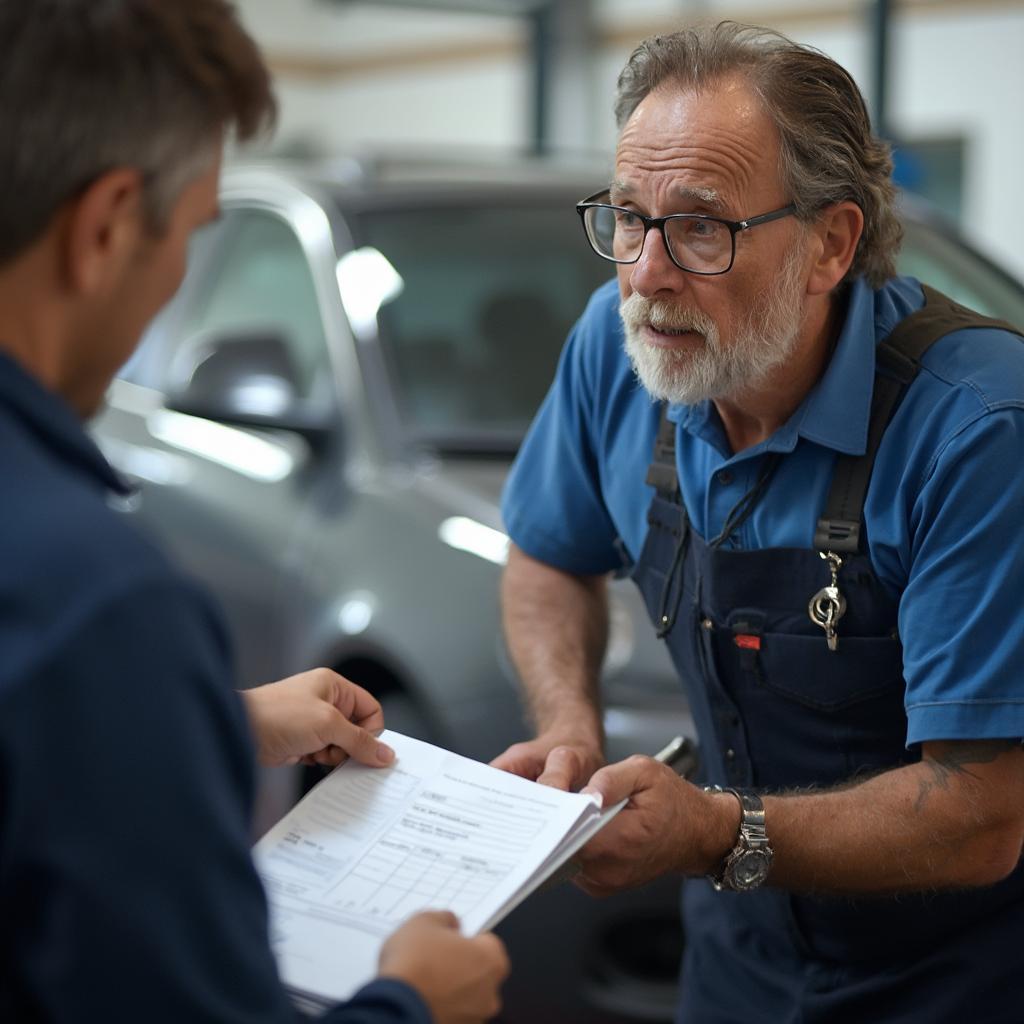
(818, 490)
(127, 891)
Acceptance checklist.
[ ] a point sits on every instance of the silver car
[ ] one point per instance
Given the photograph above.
(320, 425)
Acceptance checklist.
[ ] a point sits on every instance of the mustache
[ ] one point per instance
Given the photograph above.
(637, 311)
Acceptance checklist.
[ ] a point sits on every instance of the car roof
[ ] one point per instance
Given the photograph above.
(385, 179)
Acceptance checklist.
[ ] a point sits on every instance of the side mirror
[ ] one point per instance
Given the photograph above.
(246, 377)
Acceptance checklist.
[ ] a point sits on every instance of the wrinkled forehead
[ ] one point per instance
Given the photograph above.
(715, 147)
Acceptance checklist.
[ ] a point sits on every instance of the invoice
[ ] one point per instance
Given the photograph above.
(368, 847)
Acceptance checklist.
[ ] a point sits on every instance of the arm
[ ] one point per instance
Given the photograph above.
(125, 845)
(954, 820)
(316, 717)
(556, 627)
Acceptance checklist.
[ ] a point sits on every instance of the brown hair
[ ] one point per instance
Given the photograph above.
(90, 85)
(828, 151)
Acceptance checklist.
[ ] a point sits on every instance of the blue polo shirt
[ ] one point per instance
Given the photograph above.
(127, 892)
(944, 513)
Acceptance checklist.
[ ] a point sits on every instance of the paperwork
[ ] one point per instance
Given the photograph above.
(369, 847)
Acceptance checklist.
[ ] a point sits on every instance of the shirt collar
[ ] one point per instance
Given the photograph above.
(55, 424)
(837, 410)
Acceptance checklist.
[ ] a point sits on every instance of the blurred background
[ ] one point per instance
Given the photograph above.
(944, 78)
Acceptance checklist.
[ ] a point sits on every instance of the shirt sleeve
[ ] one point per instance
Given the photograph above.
(128, 888)
(960, 613)
(552, 504)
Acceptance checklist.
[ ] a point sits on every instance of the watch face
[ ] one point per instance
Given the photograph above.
(750, 869)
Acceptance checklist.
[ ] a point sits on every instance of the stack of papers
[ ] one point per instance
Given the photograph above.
(368, 847)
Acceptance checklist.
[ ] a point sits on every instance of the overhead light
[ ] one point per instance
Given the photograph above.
(144, 462)
(469, 535)
(356, 614)
(367, 281)
(235, 449)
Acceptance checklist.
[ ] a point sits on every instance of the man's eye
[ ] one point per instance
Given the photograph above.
(627, 221)
(697, 230)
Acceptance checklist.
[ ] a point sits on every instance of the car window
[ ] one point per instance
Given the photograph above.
(148, 365)
(937, 260)
(261, 281)
(488, 296)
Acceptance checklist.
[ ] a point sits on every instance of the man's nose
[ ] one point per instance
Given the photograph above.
(655, 272)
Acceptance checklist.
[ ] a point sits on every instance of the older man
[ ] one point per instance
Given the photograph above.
(818, 491)
(127, 892)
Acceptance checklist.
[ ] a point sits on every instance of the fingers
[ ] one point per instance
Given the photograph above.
(616, 782)
(520, 759)
(457, 977)
(563, 769)
(494, 950)
(596, 890)
(352, 700)
(360, 745)
(362, 707)
(436, 918)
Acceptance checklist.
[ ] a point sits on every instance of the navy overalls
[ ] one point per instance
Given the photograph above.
(777, 709)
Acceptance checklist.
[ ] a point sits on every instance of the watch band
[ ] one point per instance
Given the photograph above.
(746, 865)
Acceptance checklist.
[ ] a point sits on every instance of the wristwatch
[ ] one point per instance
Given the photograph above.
(747, 864)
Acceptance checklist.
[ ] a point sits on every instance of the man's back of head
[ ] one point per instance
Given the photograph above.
(115, 112)
(92, 85)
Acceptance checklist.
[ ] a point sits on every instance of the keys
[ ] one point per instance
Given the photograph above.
(828, 605)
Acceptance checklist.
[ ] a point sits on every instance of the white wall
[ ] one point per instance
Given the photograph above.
(353, 76)
(962, 72)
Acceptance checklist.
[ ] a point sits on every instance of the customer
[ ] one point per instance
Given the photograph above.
(127, 892)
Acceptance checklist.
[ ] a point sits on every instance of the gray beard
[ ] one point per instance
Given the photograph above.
(765, 339)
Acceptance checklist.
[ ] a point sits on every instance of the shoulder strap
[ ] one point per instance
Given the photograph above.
(898, 361)
(661, 473)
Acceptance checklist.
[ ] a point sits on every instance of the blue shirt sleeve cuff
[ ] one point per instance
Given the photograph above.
(965, 720)
(383, 1001)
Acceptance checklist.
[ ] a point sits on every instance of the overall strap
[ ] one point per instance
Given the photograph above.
(662, 476)
(898, 360)
(661, 473)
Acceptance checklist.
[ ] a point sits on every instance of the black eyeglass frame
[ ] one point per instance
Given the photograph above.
(658, 223)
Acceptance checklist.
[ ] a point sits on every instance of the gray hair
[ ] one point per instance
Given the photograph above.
(91, 85)
(828, 151)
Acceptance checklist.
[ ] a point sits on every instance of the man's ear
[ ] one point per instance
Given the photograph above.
(102, 227)
(837, 232)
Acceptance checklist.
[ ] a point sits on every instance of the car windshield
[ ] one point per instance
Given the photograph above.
(488, 294)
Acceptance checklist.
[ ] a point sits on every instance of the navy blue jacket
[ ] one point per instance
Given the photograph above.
(127, 892)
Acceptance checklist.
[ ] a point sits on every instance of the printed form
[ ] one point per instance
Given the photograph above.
(369, 847)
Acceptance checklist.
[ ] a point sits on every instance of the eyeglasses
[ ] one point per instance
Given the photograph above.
(694, 242)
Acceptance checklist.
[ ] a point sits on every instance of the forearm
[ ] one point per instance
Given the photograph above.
(556, 628)
(953, 820)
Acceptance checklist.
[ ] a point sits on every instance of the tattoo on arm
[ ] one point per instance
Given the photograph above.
(955, 760)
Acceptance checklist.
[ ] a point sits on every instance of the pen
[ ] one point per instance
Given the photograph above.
(680, 754)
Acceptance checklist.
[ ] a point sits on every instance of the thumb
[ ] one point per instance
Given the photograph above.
(438, 918)
(615, 782)
(359, 744)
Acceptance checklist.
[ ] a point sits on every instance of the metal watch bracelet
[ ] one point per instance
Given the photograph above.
(747, 865)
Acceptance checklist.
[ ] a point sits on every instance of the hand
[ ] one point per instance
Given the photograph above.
(316, 717)
(560, 761)
(458, 978)
(668, 826)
